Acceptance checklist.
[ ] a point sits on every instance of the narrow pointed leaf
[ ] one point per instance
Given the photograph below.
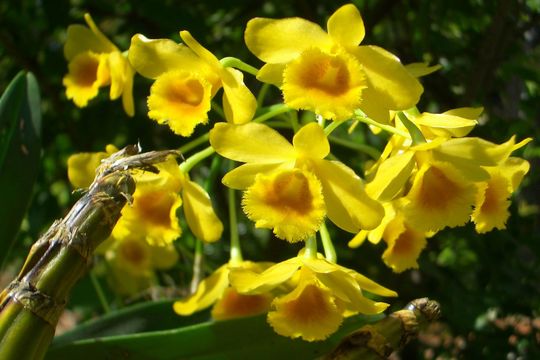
(20, 147)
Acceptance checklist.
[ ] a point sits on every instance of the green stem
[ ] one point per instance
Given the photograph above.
(262, 94)
(311, 248)
(99, 292)
(370, 150)
(197, 265)
(238, 64)
(194, 143)
(218, 109)
(273, 111)
(329, 250)
(294, 121)
(193, 160)
(333, 126)
(391, 129)
(236, 250)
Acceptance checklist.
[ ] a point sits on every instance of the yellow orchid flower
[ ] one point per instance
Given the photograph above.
(94, 62)
(200, 215)
(323, 293)
(153, 209)
(491, 206)
(443, 173)
(133, 261)
(186, 80)
(155, 201)
(227, 302)
(327, 72)
(265, 151)
(404, 242)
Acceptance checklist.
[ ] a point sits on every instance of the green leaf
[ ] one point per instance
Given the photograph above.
(20, 147)
(139, 318)
(243, 338)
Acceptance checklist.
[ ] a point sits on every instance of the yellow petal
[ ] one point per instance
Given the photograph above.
(163, 257)
(81, 39)
(450, 122)
(347, 204)
(250, 282)
(153, 57)
(82, 168)
(280, 41)
(244, 175)
(311, 142)
(272, 74)
(391, 176)
(118, 68)
(208, 292)
(200, 50)
(491, 208)
(127, 93)
(180, 100)
(132, 254)
(233, 305)
(404, 245)
(239, 104)
(200, 215)
(388, 79)
(367, 284)
(480, 151)
(420, 69)
(99, 35)
(250, 142)
(346, 26)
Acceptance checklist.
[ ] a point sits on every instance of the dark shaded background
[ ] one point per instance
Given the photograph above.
(489, 285)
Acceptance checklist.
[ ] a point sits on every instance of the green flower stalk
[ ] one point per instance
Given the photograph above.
(32, 304)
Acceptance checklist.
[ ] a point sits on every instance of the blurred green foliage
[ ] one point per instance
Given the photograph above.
(490, 53)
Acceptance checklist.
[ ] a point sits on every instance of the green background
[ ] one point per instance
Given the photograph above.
(490, 55)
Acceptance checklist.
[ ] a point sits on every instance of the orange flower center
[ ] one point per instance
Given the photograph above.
(233, 305)
(291, 190)
(132, 252)
(85, 69)
(190, 92)
(155, 207)
(324, 72)
(437, 189)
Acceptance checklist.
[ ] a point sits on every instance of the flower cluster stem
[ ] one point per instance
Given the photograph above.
(328, 246)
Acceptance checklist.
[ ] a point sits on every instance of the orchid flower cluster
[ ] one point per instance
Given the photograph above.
(429, 176)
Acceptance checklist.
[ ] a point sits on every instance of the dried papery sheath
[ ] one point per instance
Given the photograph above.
(31, 305)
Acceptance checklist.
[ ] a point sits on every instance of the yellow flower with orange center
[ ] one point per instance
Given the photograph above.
(153, 210)
(227, 302)
(328, 72)
(186, 80)
(266, 152)
(133, 261)
(94, 62)
(322, 294)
